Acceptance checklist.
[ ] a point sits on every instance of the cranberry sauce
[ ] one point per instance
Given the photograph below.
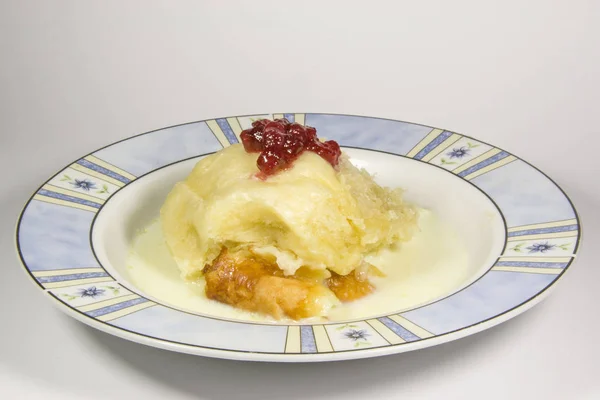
(280, 142)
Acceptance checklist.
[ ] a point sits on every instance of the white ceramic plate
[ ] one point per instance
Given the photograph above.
(521, 231)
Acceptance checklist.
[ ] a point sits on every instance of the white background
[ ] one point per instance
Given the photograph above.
(523, 75)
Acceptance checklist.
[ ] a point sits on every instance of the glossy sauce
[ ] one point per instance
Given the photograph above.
(432, 265)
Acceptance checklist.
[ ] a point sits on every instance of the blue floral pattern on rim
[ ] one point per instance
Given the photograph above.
(85, 184)
(542, 247)
(458, 153)
(353, 333)
(91, 292)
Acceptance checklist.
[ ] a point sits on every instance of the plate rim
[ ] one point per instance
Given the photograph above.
(299, 357)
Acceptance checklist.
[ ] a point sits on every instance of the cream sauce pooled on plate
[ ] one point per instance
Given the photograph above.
(433, 264)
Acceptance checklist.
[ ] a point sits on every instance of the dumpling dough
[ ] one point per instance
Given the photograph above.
(310, 215)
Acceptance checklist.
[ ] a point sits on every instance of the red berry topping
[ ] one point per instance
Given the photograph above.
(252, 141)
(260, 123)
(281, 142)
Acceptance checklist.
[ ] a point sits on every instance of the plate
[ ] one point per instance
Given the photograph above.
(72, 238)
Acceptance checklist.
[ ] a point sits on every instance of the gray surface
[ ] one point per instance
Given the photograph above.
(76, 75)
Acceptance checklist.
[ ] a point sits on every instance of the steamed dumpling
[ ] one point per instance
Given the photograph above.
(310, 215)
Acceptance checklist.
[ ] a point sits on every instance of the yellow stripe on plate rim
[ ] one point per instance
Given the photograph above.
(455, 137)
(110, 167)
(553, 224)
(424, 142)
(216, 130)
(96, 174)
